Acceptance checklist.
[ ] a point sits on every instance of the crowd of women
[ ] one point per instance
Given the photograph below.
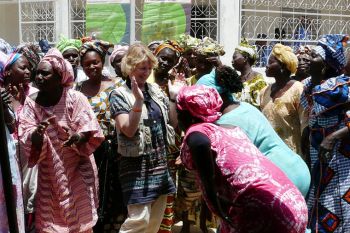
(171, 134)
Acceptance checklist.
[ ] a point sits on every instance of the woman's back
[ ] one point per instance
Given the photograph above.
(253, 184)
(260, 132)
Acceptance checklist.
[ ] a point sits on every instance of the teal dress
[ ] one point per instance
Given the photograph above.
(261, 133)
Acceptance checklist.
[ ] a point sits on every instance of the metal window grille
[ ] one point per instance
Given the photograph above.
(77, 18)
(204, 19)
(37, 21)
(291, 22)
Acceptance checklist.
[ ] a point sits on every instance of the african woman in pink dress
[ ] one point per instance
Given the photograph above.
(59, 132)
(239, 184)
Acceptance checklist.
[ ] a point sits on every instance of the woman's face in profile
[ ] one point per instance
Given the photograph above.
(273, 67)
(238, 60)
(316, 63)
(116, 64)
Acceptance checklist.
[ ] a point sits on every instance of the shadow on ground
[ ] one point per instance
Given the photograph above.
(194, 229)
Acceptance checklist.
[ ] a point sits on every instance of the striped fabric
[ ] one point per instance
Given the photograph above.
(67, 180)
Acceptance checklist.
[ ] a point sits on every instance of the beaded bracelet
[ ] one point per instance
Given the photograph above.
(136, 109)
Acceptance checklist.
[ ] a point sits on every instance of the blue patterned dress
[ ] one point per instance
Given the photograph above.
(329, 197)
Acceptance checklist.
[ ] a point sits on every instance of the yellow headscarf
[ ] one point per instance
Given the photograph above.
(285, 55)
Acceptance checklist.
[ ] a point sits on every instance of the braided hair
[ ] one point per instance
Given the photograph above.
(228, 78)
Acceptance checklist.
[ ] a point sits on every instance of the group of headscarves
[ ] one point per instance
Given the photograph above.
(9, 55)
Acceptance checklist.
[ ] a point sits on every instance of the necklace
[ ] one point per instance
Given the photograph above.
(245, 77)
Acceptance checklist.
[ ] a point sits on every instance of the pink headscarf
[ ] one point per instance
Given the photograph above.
(201, 101)
(60, 65)
(118, 49)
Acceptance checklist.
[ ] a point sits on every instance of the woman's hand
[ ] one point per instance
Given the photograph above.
(215, 61)
(75, 138)
(175, 85)
(136, 90)
(18, 93)
(326, 147)
(38, 134)
(178, 161)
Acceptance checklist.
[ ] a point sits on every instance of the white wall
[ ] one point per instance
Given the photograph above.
(229, 27)
(9, 29)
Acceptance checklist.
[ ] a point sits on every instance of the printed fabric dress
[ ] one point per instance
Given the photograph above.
(112, 212)
(251, 90)
(286, 115)
(327, 113)
(262, 196)
(67, 192)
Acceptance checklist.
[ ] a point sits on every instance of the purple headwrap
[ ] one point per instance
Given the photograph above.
(5, 47)
(60, 65)
(118, 49)
(331, 49)
(201, 101)
(3, 59)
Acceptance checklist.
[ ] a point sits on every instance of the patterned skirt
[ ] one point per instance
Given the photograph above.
(145, 178)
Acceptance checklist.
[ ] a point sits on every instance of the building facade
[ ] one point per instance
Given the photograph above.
(264, 23)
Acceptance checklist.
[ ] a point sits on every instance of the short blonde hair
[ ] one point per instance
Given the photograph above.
(136, 54)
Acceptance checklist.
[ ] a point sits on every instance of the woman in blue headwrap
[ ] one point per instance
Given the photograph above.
(326, 97)
(258, 129)
(32, 53)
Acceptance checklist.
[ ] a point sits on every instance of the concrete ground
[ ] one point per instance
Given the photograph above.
(194, 229)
